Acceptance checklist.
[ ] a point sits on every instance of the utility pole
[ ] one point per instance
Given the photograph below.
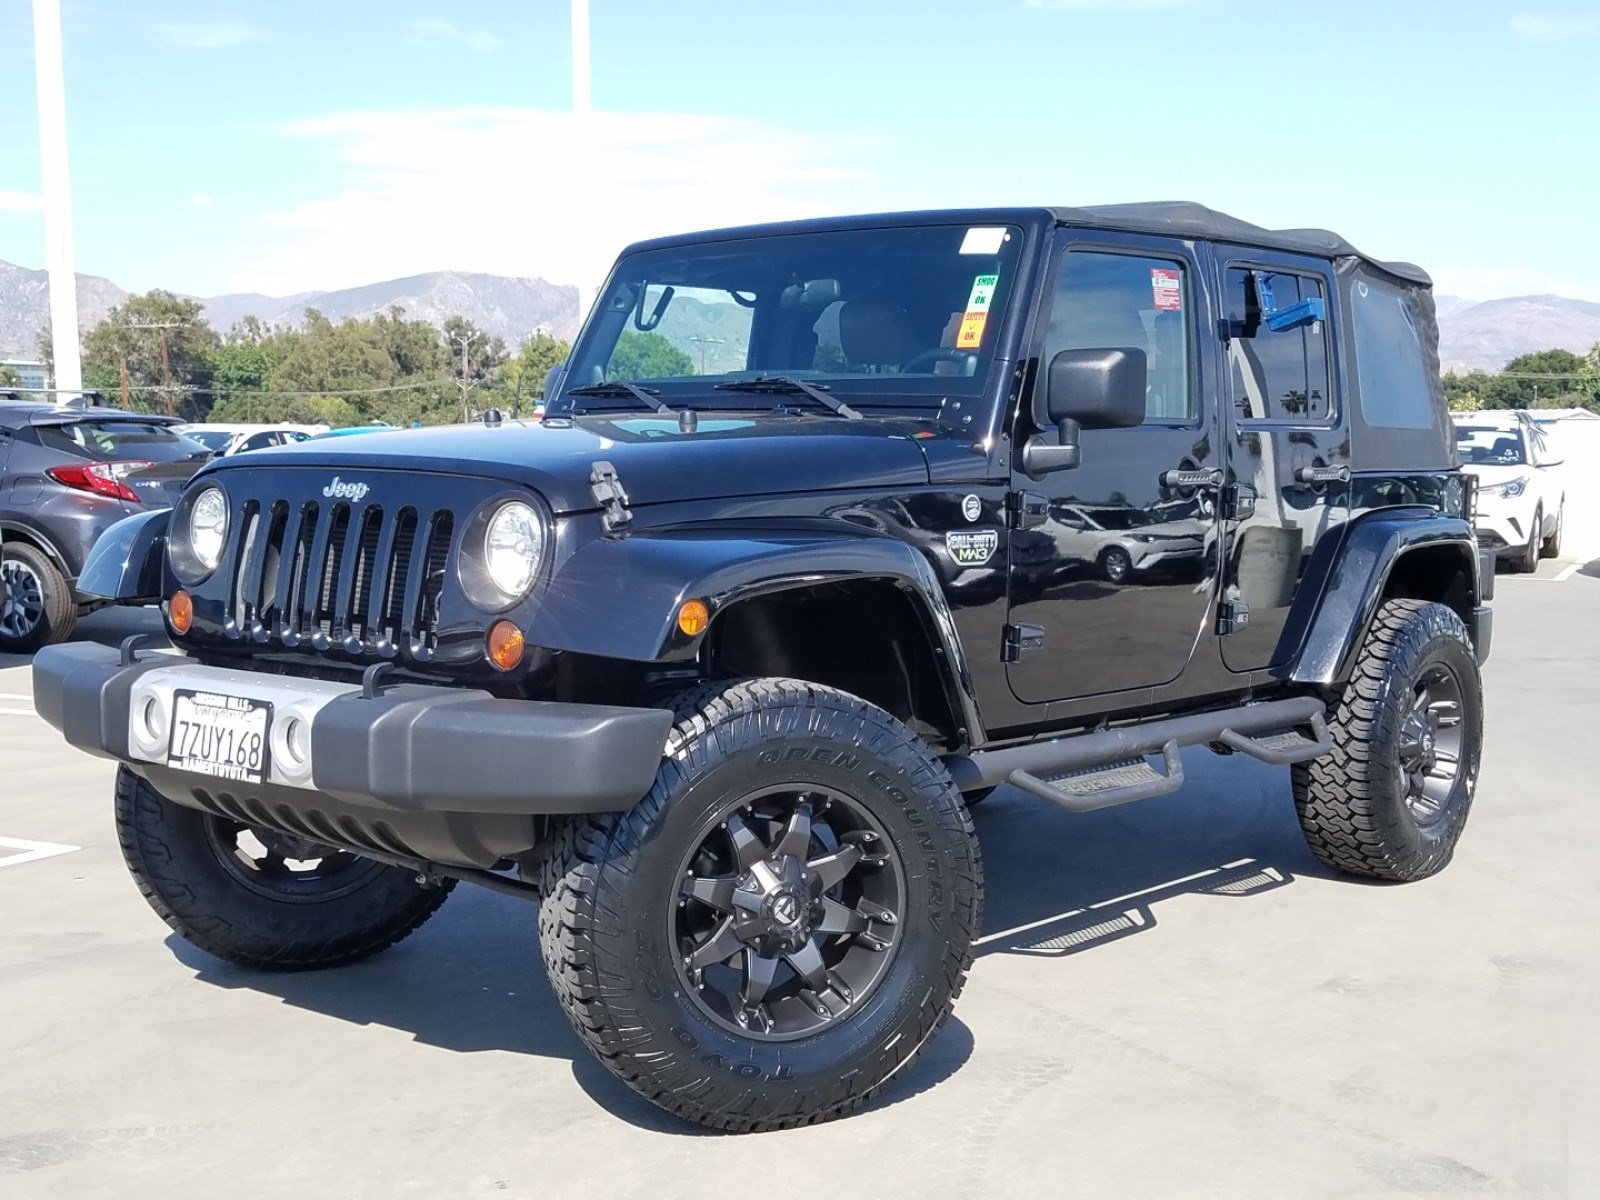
(50, 78)
(465, 341)
(703, 343)
(582, 100)
(166, 365)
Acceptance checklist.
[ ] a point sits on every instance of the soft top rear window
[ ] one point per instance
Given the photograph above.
(118, 439)
(1390, 364)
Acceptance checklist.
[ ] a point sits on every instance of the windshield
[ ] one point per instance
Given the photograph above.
(111, 440)
(878, 316)
(211, 439)
(1122, 518)
(1485, 444)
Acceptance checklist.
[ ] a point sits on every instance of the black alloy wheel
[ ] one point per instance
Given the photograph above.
(789, 912)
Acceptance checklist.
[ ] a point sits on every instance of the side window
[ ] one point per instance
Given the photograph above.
(1277, 375)
(1115, 301)
(1395, 392)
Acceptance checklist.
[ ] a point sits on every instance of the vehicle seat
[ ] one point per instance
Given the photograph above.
(1504, 448)
(875, 332)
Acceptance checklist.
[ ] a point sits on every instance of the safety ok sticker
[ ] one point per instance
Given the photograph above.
(1167, 285)
(977, 315)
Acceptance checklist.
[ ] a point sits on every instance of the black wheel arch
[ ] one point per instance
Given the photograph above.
(781, 600)
(1410, 553)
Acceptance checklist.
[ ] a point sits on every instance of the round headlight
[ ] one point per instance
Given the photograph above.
(513, 544)
(208, 527)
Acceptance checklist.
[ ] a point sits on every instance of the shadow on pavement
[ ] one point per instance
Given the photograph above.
(109, 627)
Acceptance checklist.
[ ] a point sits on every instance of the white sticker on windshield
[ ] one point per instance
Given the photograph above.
(983, 239)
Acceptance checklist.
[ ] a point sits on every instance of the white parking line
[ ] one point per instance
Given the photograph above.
(30, 851)
(15, 696)
(17, 712)
(1569, 572)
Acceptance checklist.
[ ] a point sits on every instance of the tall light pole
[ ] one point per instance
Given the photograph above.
(50, 77)
(465, 341)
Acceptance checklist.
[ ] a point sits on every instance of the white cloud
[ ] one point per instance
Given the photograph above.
(422, 33)
(206, 35)
(1535, 28)
(524, 191)
(1495, 283)
(201, 200)
(1108, 5)
(20, 202)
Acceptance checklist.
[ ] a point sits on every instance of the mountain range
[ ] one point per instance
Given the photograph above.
(507, 307)
(1472, 334)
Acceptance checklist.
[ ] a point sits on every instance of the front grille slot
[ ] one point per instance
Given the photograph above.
(358, 578)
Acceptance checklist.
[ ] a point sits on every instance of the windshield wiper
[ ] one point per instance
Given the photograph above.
(621, 388)
(687, 420)
(789, 385)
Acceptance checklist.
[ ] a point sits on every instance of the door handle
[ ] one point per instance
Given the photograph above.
(1338, 474)
(1192, 479)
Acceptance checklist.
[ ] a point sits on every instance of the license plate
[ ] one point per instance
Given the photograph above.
(216, 734)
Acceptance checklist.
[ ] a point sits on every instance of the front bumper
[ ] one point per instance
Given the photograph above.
(412, 757)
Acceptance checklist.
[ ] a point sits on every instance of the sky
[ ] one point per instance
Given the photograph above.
(222, 146)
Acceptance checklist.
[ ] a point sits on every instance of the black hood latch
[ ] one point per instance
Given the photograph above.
(609, 494)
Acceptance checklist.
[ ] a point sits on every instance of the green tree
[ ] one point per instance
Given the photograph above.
(165, 347)
(522, 376)
(647, 356)
(9, 376)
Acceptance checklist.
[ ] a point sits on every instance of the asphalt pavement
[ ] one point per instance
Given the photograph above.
(1172, 999)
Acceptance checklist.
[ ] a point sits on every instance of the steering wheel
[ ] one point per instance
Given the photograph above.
(924, 362)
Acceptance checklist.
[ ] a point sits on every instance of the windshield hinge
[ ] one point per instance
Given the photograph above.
(608, 493)
(1026, 510)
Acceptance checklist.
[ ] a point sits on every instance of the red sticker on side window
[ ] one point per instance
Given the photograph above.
(1167, 286)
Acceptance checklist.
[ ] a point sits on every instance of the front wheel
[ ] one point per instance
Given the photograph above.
(260, 898)
(1527, 561)
(1552, 544)
(1390, 800)
(1116, 565)
(782, 924)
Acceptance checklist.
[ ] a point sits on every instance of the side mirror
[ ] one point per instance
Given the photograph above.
(552, 381)
(1086, 389)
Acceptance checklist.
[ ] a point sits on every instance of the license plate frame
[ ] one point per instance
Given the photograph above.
(246, 760)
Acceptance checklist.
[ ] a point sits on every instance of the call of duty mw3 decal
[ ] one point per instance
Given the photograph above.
(972, 547)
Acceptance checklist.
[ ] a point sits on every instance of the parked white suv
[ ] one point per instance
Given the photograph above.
(225, 440)
(1521, 496)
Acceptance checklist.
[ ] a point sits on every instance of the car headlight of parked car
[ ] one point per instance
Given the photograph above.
(502, 553)
(200, 533)
(1511, 487)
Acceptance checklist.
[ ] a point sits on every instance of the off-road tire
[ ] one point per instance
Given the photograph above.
(1526, 561)
(176, 867)
(1351, 801)
(610, 881)
(60, 607)
(1552, 544)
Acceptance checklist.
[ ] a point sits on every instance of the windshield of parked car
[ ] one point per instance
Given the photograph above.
(1485, 444)
(113, 440)
(212, 439)
(873, 316)
(1123, 518)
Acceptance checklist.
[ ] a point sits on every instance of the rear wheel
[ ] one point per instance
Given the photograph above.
(783, 923)
(261, 898)
(1390, 800)
(36, 604)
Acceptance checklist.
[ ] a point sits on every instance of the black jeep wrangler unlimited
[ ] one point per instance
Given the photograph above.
(830, 529)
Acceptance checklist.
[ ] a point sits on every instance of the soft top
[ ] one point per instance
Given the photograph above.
(1181, 218)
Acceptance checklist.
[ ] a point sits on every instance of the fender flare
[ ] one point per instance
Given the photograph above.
(125, 565)
(1357, 577)
(619, 598)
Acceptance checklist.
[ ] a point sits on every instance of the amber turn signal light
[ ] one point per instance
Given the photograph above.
(180, 611)
(504, 645)
(693, 617)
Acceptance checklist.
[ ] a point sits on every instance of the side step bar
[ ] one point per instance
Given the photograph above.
(1098, 770)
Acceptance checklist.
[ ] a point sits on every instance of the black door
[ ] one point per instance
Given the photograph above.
(1288, 449)
(1119, 575)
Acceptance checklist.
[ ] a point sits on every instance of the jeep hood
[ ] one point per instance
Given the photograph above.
(729, 455)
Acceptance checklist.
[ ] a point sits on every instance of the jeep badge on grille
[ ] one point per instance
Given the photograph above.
(340, 490)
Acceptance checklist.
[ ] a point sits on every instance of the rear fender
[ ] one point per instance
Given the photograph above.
(125, 565)
(1359, 580)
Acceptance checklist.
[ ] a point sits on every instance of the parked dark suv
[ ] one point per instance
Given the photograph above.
(713, 665)
(67, 473)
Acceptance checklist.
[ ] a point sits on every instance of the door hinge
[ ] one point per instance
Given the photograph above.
(1232, 616)
(1017, 639)
(1238, 502)
(1025, 510)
